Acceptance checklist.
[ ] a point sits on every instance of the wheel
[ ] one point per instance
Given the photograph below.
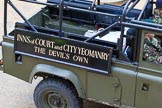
(50, 93)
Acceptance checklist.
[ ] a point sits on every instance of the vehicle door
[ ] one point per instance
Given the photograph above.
(149, 78)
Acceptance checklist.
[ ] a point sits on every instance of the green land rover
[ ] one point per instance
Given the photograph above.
(85, 50)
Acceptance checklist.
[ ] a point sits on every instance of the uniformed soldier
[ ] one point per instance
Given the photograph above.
(149, 50)
(150, 54)
(152, 49)
(158, 12)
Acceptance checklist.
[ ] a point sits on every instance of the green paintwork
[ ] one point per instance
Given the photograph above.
(52, 70)
(123, 86)
(149, 74)
(69, 26)
(87, 83)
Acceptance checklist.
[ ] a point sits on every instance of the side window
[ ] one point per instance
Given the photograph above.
(152, 48)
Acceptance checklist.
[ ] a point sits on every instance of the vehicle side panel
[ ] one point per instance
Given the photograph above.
(149, 81)
(118, 87)
(149, 89)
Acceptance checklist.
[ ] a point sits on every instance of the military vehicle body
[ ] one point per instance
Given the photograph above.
(64, 44)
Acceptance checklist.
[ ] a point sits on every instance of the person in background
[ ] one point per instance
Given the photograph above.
(157, 15)
(157, 18)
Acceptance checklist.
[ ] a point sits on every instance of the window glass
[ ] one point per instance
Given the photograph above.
(152, 48)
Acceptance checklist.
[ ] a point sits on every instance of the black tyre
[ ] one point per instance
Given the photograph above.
(50, 93)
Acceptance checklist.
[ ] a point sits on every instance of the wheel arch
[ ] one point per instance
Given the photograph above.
(66, 74)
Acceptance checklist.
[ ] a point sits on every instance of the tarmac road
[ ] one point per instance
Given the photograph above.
(15, 93)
